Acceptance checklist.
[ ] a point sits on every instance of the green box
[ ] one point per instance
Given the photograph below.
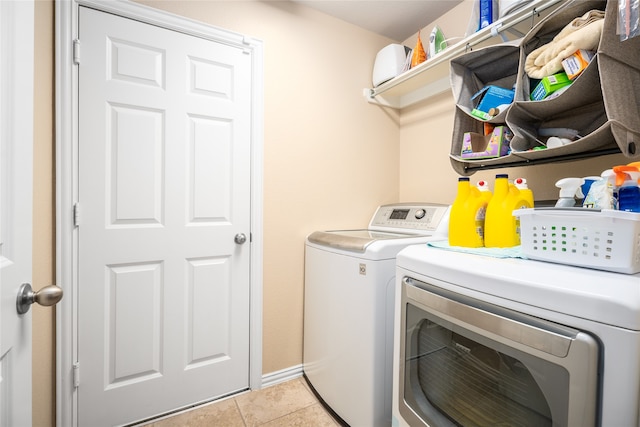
(548, 85)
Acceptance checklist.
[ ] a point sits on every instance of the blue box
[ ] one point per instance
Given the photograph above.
(486, 13)
(492, 96)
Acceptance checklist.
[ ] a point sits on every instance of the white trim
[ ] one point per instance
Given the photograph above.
(67, 179)
(281, 376)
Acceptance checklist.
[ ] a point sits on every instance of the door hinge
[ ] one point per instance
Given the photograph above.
(247, 41)
(76, 214)
(76, 52)
(76, 375)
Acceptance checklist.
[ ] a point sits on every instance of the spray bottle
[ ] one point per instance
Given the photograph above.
(502, 228)
(601, 193)
(570, 188)
(628, 189)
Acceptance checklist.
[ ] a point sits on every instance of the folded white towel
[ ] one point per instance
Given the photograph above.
(512, 252)
(581, 33)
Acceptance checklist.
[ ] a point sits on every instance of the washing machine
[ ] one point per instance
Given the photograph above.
(349, 307)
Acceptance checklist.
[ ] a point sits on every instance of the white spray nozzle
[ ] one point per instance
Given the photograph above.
(607, 173)
(570, 187)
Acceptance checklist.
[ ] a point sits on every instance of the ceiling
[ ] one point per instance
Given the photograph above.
(395, 19)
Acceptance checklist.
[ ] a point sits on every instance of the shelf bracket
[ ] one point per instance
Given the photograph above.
(370, 96)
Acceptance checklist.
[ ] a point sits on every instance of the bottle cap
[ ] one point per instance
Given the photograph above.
(483, 185)
(521, 183)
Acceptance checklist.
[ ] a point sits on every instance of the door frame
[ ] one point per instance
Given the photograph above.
(66, 24)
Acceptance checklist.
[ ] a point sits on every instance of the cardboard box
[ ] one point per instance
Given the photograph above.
(576, 63)
(476, 146)
(490, 97)
(548, 85)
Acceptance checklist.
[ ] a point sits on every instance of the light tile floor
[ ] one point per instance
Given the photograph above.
(288, 404)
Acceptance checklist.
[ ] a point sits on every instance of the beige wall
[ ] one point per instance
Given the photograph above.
(43, 216)
(425, 141)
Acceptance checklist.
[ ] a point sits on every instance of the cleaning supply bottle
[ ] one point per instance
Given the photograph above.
(628, 188)
(601, 193)
(485, 191)
(466, 219)
(502, 229)
(521, 184)
(437, 42)
(570, 188)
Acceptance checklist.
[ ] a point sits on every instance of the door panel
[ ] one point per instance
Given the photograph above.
(164, 186)
(16, 191)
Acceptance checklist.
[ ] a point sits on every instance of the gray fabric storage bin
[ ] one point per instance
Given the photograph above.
(544, 32)
(580, 107)
(619, 64)
(494, 65)
(602, 104)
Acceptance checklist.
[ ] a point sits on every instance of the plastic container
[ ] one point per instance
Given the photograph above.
(466, 219)
(600, 239)
(501, 226)
(521, 184)
(627, 181)
(570, 188)
(629, 197)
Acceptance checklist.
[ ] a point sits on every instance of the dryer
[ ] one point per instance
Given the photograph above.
(484, 341)
(349, 306)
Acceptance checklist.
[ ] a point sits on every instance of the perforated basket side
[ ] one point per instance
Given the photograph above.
(600, 240)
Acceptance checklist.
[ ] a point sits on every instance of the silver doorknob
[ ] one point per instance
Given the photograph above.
(49, 295)
(240, 238)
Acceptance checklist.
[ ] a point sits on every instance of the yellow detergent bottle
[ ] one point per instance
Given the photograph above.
(466, 219)
(502, 229)
(521, 184)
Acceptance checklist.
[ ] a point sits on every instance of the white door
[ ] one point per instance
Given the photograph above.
(164, 212)
(16, 147)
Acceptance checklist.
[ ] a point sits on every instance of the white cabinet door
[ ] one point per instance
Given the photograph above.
(164, 200)
(16, 180)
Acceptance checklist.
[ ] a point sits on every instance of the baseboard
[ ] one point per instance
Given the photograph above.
(281, 376)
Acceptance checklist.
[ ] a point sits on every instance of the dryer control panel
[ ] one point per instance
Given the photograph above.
(419, 218)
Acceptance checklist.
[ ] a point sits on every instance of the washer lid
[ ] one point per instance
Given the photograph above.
(353, 240)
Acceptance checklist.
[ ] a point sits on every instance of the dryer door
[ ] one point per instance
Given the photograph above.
(465, 362)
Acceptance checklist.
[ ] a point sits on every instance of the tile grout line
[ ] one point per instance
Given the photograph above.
(244, 421)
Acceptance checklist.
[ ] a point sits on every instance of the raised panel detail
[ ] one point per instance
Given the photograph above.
(210, 160)
(211, 78)
(136, 63)
(134, 302)
(209, 302)
(136, 169)
(5, 389)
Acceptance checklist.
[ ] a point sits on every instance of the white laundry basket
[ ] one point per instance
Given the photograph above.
(601, 239)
